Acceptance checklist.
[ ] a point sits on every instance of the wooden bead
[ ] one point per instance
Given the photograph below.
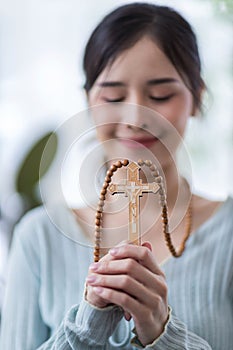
(97, 222)
(152, 167)
(125, 162)
(161, 191)
(107, 179)
(118, 164)
(155, 173)
(97, 229)
(162, 203)
(103, 191)
(105, 185)
(113, 167)
(98, 215)
(109, 173)
(101, 203)
(148, 162)
(140, 162)
(102, 197)
(158, 179)
(99, 209)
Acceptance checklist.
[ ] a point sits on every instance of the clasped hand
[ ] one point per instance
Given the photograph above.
(130, 277)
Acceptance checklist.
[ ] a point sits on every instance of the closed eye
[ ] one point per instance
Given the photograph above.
(161, 98)
(112, 100)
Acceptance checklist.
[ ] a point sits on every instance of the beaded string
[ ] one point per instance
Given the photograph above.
(162, 200)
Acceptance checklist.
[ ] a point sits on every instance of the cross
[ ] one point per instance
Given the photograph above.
(133, 189)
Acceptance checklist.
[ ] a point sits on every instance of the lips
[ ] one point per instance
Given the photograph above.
(138, 142)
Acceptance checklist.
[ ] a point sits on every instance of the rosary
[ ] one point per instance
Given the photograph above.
(133, 188)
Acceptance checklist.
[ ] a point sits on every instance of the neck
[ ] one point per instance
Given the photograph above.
(178, 194)
(172, 182)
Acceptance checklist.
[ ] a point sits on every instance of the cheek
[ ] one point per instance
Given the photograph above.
(105, 132)
(92, 96)
(178, 111)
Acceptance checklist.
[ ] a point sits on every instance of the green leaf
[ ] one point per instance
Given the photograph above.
(31, 170)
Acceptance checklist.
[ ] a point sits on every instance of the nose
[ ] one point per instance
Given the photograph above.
(136, 115)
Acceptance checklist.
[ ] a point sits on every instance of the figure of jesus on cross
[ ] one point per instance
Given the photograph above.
(133, 188)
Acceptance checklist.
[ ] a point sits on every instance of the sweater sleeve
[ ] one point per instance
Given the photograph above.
(179, 337)
(175, 337)
(83, 327)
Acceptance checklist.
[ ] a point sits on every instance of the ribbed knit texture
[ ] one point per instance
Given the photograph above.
(44, 306)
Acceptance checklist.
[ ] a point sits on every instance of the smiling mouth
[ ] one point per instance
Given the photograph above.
(139, 143)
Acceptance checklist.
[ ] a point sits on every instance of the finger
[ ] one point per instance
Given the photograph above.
(148, 245)
(140, 253)
(128, 285)
(131, 268)
(117, 297)
(94, 298)
(129, 304)
(108, 257)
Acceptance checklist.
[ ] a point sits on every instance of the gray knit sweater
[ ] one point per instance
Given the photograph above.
(44, 306)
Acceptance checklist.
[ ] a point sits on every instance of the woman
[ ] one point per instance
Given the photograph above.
(142, 55)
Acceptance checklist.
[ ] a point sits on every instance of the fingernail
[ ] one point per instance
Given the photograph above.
(91, 279)
(94, 266)
(113, 251)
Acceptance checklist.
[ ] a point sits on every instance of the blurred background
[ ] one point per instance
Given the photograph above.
(42, 43)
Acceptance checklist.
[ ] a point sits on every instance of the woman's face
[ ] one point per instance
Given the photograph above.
(141, 76)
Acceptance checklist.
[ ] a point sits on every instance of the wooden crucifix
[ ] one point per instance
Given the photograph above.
(133, 189)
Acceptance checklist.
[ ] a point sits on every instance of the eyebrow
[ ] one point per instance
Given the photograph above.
(111, 84)
(162, 81)
(149, 82)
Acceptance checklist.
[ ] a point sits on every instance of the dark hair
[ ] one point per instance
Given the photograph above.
(123, 27)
